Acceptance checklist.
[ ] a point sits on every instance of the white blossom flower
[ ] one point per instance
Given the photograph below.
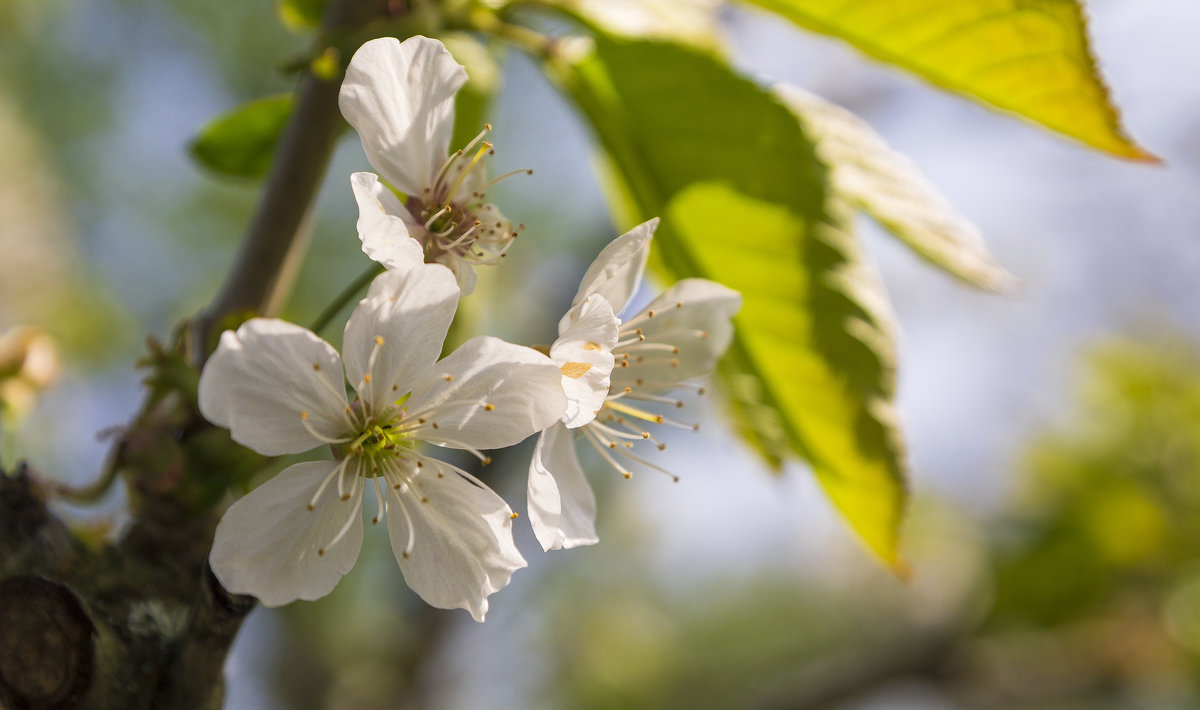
(677, 337)
(399, 96)
(280, 389)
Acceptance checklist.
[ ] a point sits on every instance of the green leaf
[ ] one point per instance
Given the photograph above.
(240, 143)
(744, 202)
(1030, 57)
(889, 187)
(300, 15)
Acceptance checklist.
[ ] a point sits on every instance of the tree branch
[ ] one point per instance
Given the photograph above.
(297, 167)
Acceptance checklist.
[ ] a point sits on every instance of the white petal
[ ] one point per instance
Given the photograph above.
(488, 394)
(395, 334)
(261, 380)
(267, 543)
(460, 535)
(463, 270)
(400, 99)
(386, 229)
(583, 353)
(700, 328)
(617, 271)
(562, 506)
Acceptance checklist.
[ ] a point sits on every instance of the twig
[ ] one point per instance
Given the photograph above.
(301, 158)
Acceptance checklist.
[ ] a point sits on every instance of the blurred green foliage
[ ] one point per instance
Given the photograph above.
(1083, 593)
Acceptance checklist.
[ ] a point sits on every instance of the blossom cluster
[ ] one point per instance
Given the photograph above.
(281, 389)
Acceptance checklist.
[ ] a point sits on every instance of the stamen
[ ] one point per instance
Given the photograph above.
(337, 470)
(506, 175)
(462, 174)
(677, 403)
(366, 378)
(643, 360)
(634, 412)
(392, 471)
(665, 347)
(381, 510)
(633, 457)
(355, 507)
(639, 337)
(593, 439)
(441, 173)
(620, 434)
(312, 431)
(643, 434)
(434, 217)
(463, 237)
(638, 319)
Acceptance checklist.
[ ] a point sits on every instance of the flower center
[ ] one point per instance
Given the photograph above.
(458, 222)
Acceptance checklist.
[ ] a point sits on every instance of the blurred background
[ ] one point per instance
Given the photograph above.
(1054, 432)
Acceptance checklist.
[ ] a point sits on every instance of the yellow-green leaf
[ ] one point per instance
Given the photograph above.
(808, 333)
(744, 201)
(889, 187)
(1030, 57)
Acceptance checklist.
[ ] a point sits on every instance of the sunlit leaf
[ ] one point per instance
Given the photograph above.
(684, 21)
(744, 201)
(240, 143)
(887, 185)
(1031, 57)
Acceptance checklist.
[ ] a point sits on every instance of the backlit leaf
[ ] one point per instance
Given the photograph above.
(1031, 57)
(744, 201)
(888, 186)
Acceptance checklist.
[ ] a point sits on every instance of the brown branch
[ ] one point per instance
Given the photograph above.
(298, 165)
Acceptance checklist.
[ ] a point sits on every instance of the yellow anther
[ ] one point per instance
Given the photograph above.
(367, 379)
(304, 415)
(320, 552)
(379, 340)
(448, 378)
(317, 366)
(489, 407)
